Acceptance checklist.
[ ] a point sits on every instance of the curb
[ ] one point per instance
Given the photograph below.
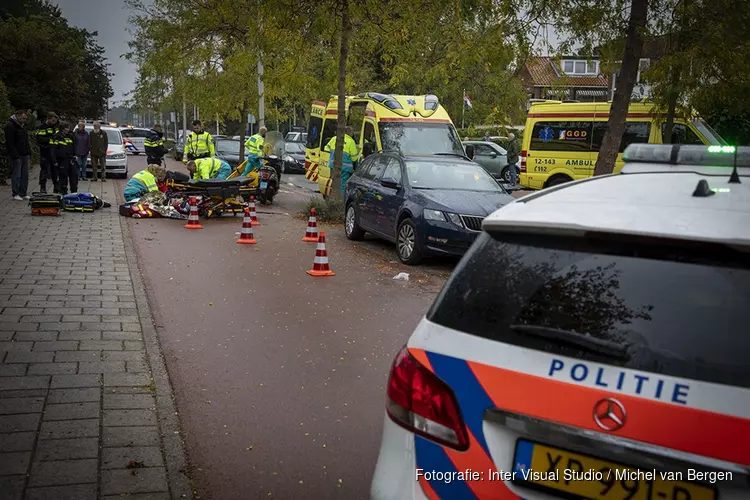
(169, 425)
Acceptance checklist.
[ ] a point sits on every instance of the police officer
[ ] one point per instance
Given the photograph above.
(47, 130)
(209, 168)
(350, 155)
(199, 144)
(254, 146)
(154, 145)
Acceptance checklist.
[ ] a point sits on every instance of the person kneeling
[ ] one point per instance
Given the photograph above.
(209, 168)
(144, 182)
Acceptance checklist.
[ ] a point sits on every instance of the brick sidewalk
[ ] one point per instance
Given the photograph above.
(85, 403)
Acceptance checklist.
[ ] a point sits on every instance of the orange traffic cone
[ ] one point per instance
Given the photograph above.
(193, 221)
(253, 216)
(246, 236)
(312, 228)
(320, 264)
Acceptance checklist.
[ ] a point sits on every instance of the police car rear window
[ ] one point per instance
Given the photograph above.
(675, 309)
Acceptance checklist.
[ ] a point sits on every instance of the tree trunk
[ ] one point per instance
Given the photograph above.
(671, 106)
(610, 147)
(243, 126)
(341, 121)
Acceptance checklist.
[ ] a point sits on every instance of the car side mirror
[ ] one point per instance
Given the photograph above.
(493, 155)
(390, 182)
(469, 151)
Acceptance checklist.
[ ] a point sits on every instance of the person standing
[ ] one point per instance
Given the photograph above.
(513, 151)
(154, 145)
(19, 151)
(47, 160)
(254, 146)
(98, 145)
(348, 157)
(199, 144)
(81, 146)
(65, 157)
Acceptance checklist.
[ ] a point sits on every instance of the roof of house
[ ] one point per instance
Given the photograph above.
(545, 72)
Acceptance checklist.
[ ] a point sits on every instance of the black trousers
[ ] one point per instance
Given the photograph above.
(68, 171)
(154, 160)
(48, 170)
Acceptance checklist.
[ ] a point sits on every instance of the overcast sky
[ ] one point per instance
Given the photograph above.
(110, 19)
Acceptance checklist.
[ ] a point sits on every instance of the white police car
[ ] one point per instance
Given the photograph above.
(593, 343)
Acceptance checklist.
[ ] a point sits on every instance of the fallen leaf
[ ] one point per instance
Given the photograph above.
(135, 465)
(249, 448)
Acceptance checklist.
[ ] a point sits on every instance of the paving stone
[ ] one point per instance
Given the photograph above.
(61, 310)
(16, 462)
(47, 304)
(118, 481)
(11, 406)
(96, 326)
(123, 356)
(101, 345)
(67, 449)
(11, 487)
(59, 326)
(129, 401)
(125, 418)
(18, 327)
(102, 367)
(23, 311)
(130, 327)
(130, 436)
(58, 345)
(13, 370)
(127, 379)
(69, 429)
(72, 492)
(73, 472)
(71, 411)
(74, 395)
(80, 318)
(75, 356)
(17, 441)
(100, 311)
(122, 336)
(131, 345)
(118, 458)
(19, 423)
(40, 318)
(139, 496)
(30, 357)
(65, 381)
(25, 393)
(85, 335)
(13, 383)
(137, 367)
(15, 346)
(31, 336)
(7, 335)
(121, 319)
(52, 368)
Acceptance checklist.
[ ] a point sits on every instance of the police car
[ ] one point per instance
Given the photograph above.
(593, 343)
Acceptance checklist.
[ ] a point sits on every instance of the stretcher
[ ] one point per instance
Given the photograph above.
(216, 197)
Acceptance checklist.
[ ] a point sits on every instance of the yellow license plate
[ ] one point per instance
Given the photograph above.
(542, 467)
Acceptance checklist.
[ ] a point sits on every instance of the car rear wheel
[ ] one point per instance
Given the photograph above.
(406, 243)
(556, 180)
(351, 226)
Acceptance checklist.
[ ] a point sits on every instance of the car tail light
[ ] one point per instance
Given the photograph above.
(523, 160)
(422, 403)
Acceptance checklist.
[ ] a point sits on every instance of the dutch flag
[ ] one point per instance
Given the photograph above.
(467, 101)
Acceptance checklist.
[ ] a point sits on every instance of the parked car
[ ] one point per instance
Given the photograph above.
(493, 158)
(116, 162)
(294, 158)
(296, 137)
(137, 136)
(427, 205)
(229, 151)
(179, 147)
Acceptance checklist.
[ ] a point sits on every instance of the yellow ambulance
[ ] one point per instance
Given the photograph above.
(561, 141)
(381, 122)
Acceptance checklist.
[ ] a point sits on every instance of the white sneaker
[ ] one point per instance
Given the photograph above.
(27, 197)
(17, 198)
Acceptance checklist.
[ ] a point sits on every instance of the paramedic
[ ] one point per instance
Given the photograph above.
(144, 182)
(348, 158)
(209, 168)
(254, 145)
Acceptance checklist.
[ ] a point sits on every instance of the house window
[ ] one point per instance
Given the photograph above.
(580, 67)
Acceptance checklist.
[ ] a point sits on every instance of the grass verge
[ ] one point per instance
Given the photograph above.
(329, 210)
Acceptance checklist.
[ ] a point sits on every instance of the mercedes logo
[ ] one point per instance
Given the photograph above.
(610, 414)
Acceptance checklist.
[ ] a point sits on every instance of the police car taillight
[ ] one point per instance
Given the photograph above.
(424, 404)
(523, 160)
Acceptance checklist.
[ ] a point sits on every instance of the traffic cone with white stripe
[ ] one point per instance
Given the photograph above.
(193, 221)
(253, 216)
(246, 236)
(312, 228)
(320, 264)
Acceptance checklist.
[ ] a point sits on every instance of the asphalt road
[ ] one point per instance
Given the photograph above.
(279, 377)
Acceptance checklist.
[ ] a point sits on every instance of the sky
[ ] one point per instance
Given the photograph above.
(110, 19)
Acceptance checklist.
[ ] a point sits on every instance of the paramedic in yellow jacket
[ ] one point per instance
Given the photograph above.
(254, 146)
(350, 155)
(199, 144)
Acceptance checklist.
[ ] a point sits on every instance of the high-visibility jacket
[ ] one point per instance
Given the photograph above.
(198, 145)
(211, 168)
(44, 135)
(141, 183)
(351, 153)
(254, 144)
(154, 144)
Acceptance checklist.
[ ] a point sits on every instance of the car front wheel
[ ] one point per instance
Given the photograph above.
(406, 242)
(351, 226)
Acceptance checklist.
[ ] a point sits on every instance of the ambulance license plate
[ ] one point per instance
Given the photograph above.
(545, 468)
(263, 184)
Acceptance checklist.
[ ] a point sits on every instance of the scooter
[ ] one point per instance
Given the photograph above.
(270, 179)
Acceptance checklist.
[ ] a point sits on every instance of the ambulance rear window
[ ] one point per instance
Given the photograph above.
(677, 309)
